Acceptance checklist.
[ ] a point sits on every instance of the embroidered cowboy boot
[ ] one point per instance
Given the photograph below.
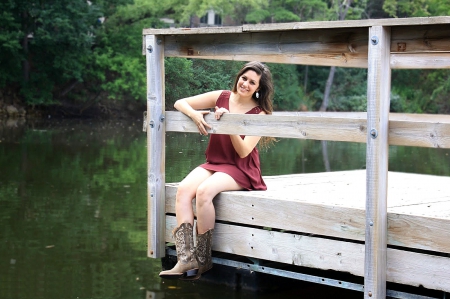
(187, 265)
(203, 254)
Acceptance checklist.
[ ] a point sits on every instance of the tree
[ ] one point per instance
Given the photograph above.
(406, 8)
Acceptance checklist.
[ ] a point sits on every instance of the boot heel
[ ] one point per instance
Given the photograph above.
(190, 273)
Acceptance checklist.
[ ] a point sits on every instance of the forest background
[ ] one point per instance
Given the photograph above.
(78, 58)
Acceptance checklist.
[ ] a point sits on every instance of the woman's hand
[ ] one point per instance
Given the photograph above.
(219, 111)
(197, 118)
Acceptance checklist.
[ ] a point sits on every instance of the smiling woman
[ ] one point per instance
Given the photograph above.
(232, 163)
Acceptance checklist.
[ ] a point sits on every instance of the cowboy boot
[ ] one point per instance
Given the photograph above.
(187, 265)
(203, 251)
(203, 254)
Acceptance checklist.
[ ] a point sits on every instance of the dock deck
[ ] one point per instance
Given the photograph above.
(318, 220)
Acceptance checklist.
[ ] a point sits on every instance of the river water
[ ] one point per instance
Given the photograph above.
(73, 199)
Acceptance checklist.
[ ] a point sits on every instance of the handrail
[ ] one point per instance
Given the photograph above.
(404, 129)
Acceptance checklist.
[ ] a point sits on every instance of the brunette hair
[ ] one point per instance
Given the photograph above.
(265, 91)
(265, 85)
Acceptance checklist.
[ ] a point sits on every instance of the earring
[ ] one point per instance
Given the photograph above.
(257, 95)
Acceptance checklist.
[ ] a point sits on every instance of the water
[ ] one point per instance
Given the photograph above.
(73, 206)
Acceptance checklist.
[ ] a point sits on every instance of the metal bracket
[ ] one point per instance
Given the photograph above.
(373, 133)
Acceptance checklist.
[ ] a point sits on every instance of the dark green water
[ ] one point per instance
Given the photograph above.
(73, 206)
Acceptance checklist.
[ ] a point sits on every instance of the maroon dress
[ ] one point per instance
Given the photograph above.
(222, 157)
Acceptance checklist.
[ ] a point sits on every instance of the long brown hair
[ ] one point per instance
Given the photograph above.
(265, 91)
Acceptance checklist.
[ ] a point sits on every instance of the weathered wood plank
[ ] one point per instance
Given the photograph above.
(332, 204)
(155, 146)
(420, 61)
(420, 39)
(378, 99)
(404, 129)
(303, 26)
(341, 47)
(344, 46)
(402, 266)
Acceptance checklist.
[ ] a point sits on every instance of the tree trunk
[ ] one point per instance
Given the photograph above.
(326, 95)
(343, 9)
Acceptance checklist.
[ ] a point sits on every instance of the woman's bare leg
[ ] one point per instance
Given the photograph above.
(186, 193)
(206, 191)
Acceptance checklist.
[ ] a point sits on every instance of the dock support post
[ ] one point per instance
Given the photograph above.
(378, 100)
(154, 52)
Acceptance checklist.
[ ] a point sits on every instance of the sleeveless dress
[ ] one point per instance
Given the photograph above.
(222, 157)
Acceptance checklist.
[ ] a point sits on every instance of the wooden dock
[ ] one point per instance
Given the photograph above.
(318, 220)
(380, 225)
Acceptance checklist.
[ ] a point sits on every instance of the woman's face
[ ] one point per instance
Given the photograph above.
(248, 83)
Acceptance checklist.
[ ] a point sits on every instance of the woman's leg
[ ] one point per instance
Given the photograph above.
(206, 191)
(186, 193)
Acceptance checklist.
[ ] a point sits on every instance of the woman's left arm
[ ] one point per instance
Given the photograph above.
(245, 146)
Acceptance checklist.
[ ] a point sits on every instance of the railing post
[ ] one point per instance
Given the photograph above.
(154, 51)
(378, 99)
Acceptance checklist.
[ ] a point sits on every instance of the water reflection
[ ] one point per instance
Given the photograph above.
(73, 205)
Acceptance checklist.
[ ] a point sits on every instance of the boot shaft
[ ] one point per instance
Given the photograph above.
(203, 250)
(184, 243)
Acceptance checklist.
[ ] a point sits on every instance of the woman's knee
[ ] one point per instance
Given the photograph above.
(203, 195)
(185, 193)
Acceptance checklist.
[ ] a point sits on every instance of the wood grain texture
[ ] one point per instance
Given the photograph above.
(394, 22)
(155, 146)
(333, 204)
(309, 251)
(404, 129)
(378, 99)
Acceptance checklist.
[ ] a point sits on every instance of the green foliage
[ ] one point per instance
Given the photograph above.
(288, 93)
(72, 55)
(406, 8)
(439, 7)
(179, 79)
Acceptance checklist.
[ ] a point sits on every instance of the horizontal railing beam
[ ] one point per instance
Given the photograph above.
(411, 47)
(404, 129)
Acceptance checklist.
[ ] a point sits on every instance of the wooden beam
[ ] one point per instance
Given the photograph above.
(403, 267)
(422, 130)
(378, 96)
(345, 47)
(393, 22)
(420, 61)
(155, 145)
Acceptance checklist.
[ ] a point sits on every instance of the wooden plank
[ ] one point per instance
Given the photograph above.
(332, 204)
(378, 96)
(420, 61)
(291, 248)
(302, 26)
(341, 47)
(346, 24)
(420, 39)
(404, 129)
(155, 145)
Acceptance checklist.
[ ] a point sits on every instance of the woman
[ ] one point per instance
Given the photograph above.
(232, 164)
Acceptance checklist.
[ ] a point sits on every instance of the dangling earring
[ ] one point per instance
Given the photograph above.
(257, 95)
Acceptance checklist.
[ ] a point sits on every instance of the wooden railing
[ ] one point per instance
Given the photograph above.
(379, 45)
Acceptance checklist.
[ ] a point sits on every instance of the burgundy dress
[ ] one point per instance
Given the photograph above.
(221, 155)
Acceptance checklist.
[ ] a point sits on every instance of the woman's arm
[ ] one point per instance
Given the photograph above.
(190, 106)
(244, 146)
